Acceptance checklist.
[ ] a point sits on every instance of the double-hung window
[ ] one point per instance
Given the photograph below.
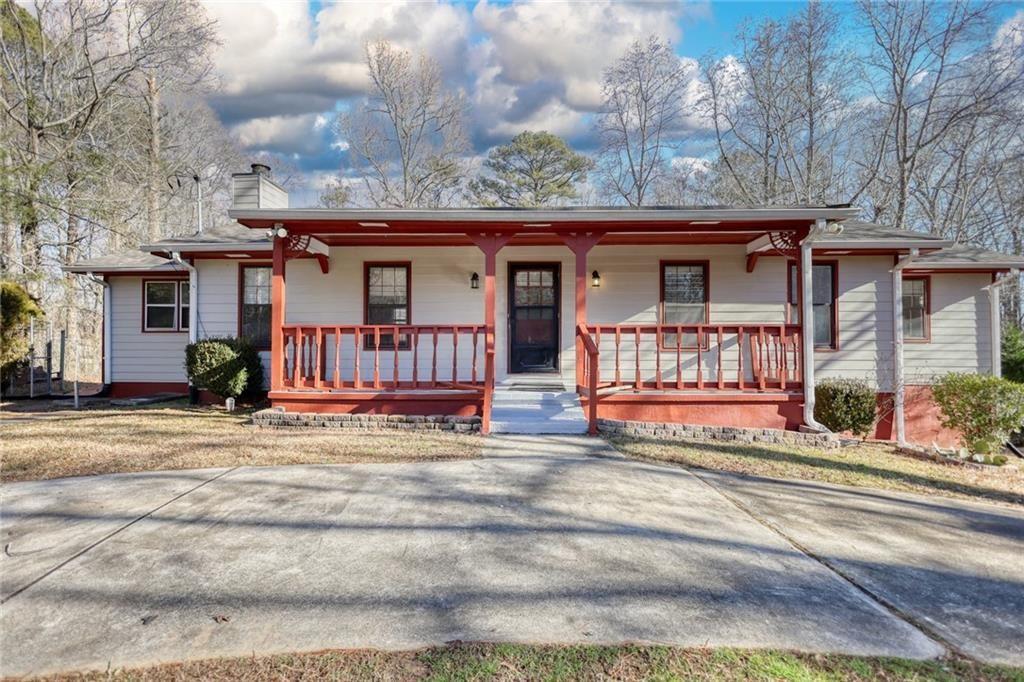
(824, 302)
(387, 288)
(165, 305)
(254, 313)
(684, 299)
(916, 308)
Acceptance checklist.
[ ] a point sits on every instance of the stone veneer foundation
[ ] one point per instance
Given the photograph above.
(278, 418)
(636, 429)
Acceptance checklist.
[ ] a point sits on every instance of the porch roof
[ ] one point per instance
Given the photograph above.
(125, 262)
(965, 257)
(706, 219)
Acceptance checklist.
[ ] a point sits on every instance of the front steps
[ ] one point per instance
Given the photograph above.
(536, 405)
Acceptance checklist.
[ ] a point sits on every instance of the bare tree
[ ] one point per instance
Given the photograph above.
(933, 69)
(408, 136)
(643, 94)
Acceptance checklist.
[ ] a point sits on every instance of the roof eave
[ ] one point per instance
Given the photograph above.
(185, 247)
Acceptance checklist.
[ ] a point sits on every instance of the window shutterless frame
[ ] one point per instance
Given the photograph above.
(668, 342)
(404, 342)
(242, 267)
(174, 284)
(927, 309)
(793, 300)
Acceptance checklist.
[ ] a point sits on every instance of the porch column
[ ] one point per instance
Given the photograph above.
(277, 290)
(490, 245)
(580, 244)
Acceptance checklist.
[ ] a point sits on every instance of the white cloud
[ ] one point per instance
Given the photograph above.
(283, 134)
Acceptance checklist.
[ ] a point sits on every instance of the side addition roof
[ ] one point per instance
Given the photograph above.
(126, 262)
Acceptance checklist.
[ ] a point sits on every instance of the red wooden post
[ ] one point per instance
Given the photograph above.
(490, 245)
(580, 244)
(277, 295)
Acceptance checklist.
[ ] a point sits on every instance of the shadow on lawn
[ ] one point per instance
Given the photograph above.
(810, 463)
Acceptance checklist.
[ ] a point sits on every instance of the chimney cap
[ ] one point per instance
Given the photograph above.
(260, 169)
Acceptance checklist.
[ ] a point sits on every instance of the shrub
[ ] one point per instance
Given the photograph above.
(1013, 354)
(227, 367)
(984, 408)
(17, 307)
(845, 405)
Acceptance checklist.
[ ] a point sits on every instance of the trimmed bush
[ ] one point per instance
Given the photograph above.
(17, 308)
(985, 409)
(226, 367)
(845, 405)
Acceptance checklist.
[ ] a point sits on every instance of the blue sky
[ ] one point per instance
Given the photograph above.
(287, 68)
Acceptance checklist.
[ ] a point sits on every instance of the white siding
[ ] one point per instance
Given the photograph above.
(961, 332)
(138, 355)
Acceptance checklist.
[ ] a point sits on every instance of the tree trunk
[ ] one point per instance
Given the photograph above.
(154, 219)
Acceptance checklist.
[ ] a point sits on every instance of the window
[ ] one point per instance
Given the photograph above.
(254, 313)
(824, 302)
(684, 298)
(387, 301)
(916, 308)
(161, 308)
(184, 305)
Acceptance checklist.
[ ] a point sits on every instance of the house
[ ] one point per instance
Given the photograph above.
(552, 319)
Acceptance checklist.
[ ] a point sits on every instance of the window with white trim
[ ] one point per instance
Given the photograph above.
(161, 306)
(915, 309)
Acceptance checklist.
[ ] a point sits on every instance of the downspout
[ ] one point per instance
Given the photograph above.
(995, 320)
(807, 317)
(898, 394)
(107, 331)
(193, 313)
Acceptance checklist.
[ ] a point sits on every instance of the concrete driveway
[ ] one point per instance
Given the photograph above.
(547, 539)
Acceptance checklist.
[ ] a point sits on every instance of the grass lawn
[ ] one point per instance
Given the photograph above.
(40, 445)
(524, 662)
(870, 465)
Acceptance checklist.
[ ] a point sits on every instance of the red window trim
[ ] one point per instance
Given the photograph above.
(835, 300)
(927, 338)
(241, 297)
(176, 329)
(407, 264)
(706, 265)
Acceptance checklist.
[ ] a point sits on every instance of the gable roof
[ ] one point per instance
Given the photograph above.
(126, 261)
(966, 256)
(861, 234)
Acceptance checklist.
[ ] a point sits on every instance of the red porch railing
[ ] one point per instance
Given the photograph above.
(365, 357)
(703, 357)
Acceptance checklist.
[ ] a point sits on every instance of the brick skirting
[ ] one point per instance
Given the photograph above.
(636, 429)
(278, 418)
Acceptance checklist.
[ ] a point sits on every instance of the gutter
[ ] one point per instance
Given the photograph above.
(107, 330)
(898, 394)
(821, 227)
(193, 313)
(995, 321)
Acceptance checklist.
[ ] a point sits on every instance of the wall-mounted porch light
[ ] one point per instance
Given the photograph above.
(595, 279)
(474, 281)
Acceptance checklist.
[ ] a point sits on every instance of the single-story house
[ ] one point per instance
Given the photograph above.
(552, 319)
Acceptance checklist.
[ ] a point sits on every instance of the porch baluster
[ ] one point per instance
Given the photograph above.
(297, 370)
(761, 357)
(721, 347)
(679, 358)
(636, 337)
(618, 344)
(658, 339)
(415, 358)
(782, 365)
(376, 357)
(739, 363)
(337, 357)
(455, 354)
(474, 353)
(285, 350)
(395, 343)
(358, 338)
(317, 359)
(433, 363)
(700, 357)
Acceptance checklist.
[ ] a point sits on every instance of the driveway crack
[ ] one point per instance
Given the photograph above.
(111, 534)
(886, 604)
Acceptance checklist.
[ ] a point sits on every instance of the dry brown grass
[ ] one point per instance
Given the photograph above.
(870, 465)
(525, 662)
(54, 444)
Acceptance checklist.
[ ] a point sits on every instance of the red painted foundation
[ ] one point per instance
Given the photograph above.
(763, 411)
(137, 389)
(922, 419)
(395, 403)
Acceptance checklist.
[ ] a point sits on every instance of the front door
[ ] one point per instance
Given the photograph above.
(533, 317)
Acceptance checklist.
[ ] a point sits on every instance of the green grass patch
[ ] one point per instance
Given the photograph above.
(469, 662)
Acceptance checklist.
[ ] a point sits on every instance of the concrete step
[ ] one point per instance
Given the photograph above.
(537, 412)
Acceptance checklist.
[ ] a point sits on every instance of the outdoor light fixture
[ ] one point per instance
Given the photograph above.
(474, 281)
(595, 279)
(277, 230)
